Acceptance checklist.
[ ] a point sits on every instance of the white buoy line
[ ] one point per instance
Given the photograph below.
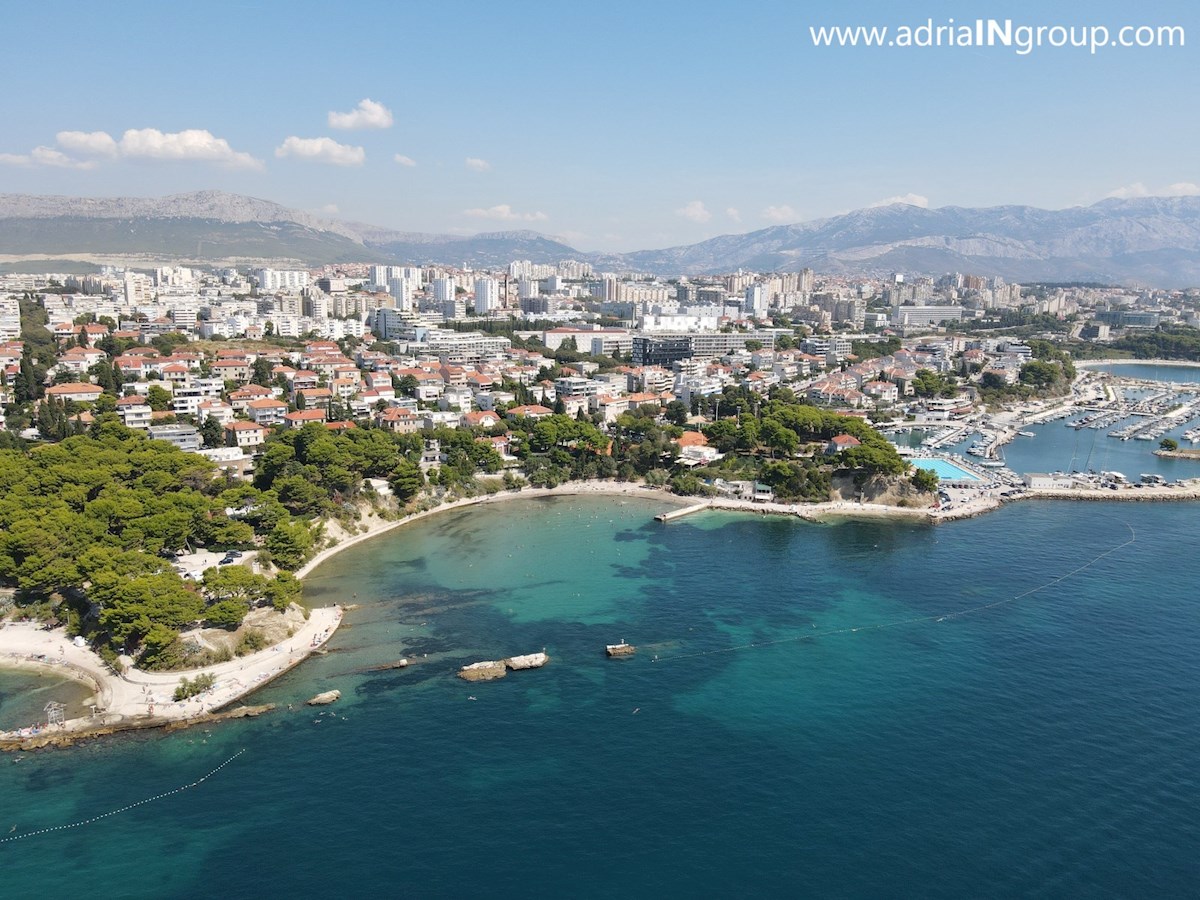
(94, 819)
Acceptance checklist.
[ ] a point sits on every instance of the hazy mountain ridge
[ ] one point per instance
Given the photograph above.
(215, 206)
(211, 225)
(1153, 241)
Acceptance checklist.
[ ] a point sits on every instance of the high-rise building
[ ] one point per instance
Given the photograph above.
(138, 288)
(710, 296)
(401, 290)
(443, 290)
(757, 301)
(528, 288)
(487, 295)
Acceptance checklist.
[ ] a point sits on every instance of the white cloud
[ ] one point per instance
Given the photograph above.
(504, 213)
(45, 156)
(330, 209)
(782, 213)
(733, 214)
(48, 156)
(192, 145)
(1138, 189)
(368, 114)
(1183, 189)
(694, 211)
(403, 160)
(478, 165)
(322, 150)
(88, 143)
(909, 199)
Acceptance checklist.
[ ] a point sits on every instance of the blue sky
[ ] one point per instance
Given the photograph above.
(615, 126)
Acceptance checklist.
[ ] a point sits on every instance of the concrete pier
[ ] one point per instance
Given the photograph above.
(680, 513)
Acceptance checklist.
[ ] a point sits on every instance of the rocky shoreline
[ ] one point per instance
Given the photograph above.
(54, 738)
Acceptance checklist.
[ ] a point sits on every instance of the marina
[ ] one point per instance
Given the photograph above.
(1113, 423)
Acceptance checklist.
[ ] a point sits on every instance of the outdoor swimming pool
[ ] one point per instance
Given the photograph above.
(945, 470)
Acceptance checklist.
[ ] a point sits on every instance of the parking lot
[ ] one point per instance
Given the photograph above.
(192, 565)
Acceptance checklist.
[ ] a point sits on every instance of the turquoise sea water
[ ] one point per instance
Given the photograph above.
(1046, 745)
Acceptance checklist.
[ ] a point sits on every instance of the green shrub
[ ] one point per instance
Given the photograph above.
(192, 687)
(252, 641)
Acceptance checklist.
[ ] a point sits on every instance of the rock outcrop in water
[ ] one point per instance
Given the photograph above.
(528, 661)
(490, 670)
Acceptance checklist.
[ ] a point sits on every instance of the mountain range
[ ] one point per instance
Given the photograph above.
(1144, 241)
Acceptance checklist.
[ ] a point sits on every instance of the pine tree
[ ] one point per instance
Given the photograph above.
(212, 432)
(25, 388)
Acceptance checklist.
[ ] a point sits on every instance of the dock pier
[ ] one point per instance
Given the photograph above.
(680, 513)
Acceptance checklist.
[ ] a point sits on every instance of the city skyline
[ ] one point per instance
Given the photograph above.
(619, 129)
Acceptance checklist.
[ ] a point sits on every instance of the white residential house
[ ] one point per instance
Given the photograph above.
(266, 412)
(134, 412)
(248, 436)
(217, 410)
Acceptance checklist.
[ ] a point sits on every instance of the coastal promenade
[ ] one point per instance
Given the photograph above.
(137, 698)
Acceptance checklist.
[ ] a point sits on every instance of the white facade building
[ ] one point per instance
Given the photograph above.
(443, 290)
(487, 295)
(280, 279)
